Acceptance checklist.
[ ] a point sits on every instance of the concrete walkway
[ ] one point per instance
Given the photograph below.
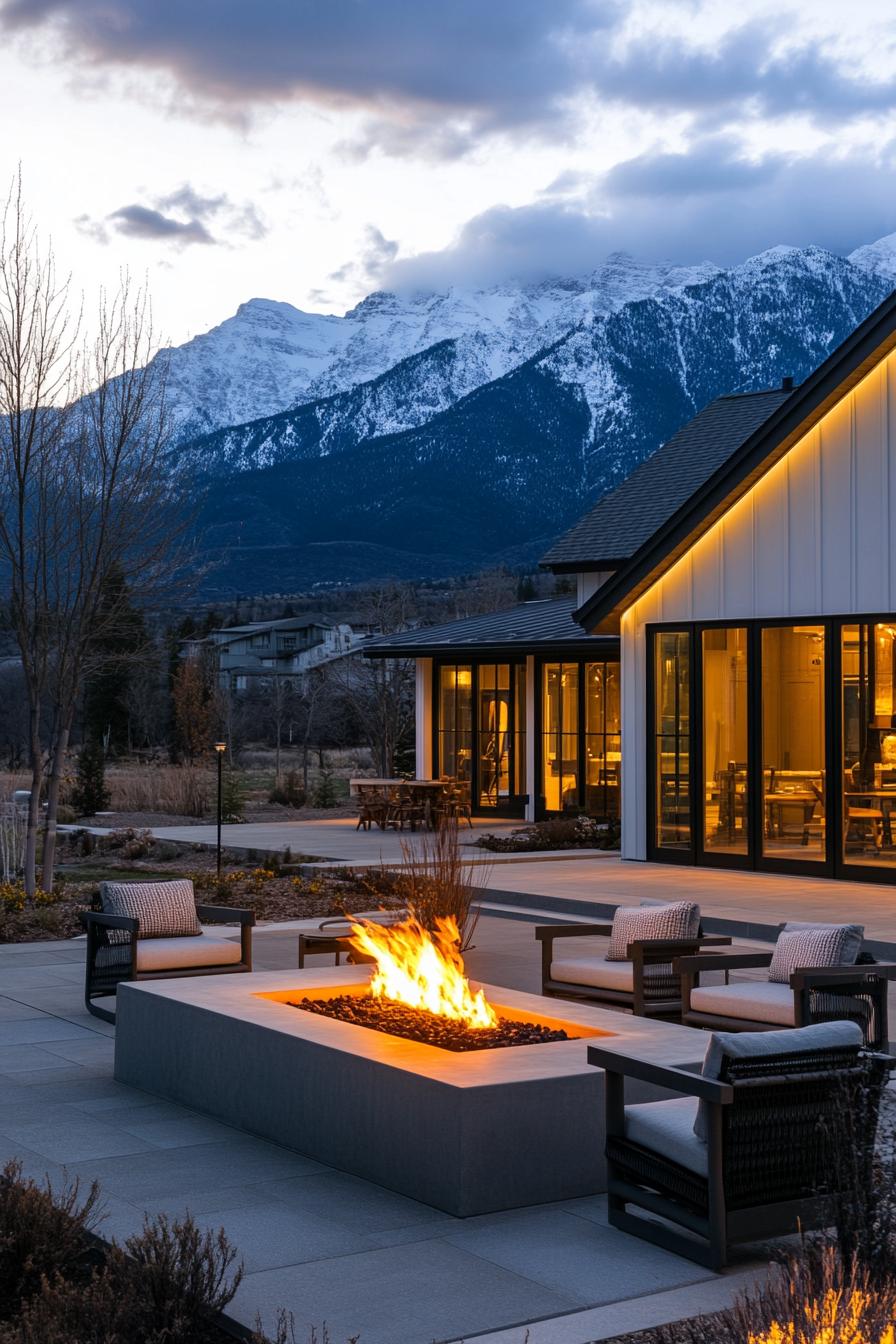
(322, 1243)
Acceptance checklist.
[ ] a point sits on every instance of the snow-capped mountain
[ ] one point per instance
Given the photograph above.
(337, 489)
(271, 357)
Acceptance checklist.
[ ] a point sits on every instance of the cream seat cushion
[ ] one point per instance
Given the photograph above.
(667, 1128)
(597, 972)
(756, 1000)
(178, 954)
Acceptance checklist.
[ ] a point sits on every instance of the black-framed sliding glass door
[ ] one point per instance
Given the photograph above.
(579, 738)
(772, 745)
(479, 731)
(723, 748)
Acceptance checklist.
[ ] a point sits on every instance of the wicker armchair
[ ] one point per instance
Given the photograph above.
(647, 985)
(780, 1128)
(115, 952)
(856, 993)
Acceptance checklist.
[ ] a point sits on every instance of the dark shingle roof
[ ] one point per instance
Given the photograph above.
(623, 520)
(533, 626)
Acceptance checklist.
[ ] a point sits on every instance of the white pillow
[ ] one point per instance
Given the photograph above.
(679, 919)
(855, 934)
(724, 1045)
(833, 945)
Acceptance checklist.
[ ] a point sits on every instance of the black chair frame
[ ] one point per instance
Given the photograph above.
(855, 993)
(112, 952)
(662, 998)
(774, 1123)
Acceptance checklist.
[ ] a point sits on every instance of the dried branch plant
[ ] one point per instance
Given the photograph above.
(437, 880)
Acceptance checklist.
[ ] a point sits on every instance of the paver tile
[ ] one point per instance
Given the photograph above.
(173, 1132)
(270, 1235)
(39, 1029)
(402, 1295)
(352, 1202)
(577, 1257)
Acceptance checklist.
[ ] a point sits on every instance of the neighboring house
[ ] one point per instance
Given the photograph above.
(748, 569)
(291, 647)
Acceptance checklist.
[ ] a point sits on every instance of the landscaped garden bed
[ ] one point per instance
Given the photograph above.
(132, 855)
(61, 1283)
(554, 833)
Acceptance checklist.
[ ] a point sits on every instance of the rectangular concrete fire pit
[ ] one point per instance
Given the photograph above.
(469, 1133)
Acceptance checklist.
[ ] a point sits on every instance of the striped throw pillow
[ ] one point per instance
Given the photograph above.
(679, 919)
(164, 909)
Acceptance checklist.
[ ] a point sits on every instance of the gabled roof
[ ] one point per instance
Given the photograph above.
(774, 436)
(533, 627)
(624, 519)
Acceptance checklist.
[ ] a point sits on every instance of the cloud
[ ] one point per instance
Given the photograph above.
(140, 221)
(504, 63)
(155, 222)
(712, 204)
(437, 77)
(745, 71)
(375, 256)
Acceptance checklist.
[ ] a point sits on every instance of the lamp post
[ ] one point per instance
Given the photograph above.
(220, 748)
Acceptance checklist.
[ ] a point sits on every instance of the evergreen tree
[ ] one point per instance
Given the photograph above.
(90, 794)
(233, 796)
(113, 658)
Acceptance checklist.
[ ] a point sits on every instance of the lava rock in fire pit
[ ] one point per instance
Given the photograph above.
(416, 1024)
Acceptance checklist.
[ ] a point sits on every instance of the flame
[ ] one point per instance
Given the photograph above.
(423, 969)
(836, 1319)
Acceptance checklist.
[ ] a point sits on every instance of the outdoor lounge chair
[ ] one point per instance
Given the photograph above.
(117, 950)
(854, 992)
(645, 981)
(781, 1126)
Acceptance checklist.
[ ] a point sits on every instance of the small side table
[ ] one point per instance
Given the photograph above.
(334, 935)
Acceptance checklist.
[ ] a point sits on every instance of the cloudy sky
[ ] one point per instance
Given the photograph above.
(313, 150)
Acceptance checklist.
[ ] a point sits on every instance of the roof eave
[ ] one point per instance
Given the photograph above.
(582, 566)
(518, 649)
(872, 340)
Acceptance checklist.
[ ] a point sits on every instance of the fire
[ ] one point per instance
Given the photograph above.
(423, 969)
(836, 1319)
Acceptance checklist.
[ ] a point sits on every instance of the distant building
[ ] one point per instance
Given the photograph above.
(293, 647)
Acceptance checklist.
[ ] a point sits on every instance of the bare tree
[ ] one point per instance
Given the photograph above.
(37, 337)
(84, 494)
(380, 692)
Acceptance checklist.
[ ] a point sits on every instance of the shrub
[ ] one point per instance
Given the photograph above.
(325, 793)
(289, 792)
(165, 1286)
(435, 883)
(233, 797)
(554, 833)
(43, 1233)
(90, 794)
(182, 1275)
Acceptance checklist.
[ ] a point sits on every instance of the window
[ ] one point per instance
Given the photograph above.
(672, 682)
(481, 731)
(455, 739)
(560, 736)
(868, 709)
(494, 721)
(793, 742)
(603, 742)
(259, 641)
(725, 741)
(521, 785)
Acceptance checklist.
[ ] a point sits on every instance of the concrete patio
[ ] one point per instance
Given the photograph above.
(578, 880)
(326, 1245)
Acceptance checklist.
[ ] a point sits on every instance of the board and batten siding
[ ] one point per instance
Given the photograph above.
(816, 536)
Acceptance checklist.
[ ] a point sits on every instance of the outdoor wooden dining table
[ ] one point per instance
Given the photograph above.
(430, 789)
